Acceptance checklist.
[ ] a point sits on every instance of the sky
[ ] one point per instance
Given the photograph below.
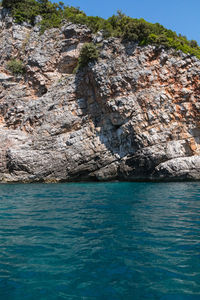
(181, 16)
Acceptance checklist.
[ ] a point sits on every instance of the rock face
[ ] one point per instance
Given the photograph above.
(133, 115)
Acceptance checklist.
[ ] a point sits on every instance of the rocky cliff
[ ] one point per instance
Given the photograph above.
(133, 115)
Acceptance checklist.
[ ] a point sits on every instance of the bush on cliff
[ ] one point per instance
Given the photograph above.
(119, 25)
(89, 53)
(16, 67)
(27, 10)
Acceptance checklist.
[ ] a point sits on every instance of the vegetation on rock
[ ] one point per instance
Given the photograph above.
(120, 25)
(88, 53)
(16, 67)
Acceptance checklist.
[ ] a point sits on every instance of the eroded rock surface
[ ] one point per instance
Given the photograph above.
(133, 115)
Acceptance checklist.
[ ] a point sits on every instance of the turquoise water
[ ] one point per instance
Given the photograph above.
(100, 241)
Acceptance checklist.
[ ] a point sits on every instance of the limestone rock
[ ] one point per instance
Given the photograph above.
(133, 115)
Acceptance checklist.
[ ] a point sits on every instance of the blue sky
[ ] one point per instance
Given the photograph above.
(181, 16)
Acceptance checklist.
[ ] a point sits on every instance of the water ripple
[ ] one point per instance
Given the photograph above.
(100, 241)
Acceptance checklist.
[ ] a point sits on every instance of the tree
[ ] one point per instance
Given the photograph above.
(26, 11)
(10, 3)
(193, 44)
(43, 2)
(43, 5)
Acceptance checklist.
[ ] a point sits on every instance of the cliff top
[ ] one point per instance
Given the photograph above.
(52, 15)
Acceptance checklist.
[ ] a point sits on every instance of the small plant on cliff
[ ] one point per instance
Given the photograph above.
(88, 54)
(16, 67)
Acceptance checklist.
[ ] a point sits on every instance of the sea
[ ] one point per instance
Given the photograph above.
(117, 240)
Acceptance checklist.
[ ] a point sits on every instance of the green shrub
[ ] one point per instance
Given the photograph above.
(26, 11)
(193, 44)
(88, 53)
(10, 3)
(16, 67)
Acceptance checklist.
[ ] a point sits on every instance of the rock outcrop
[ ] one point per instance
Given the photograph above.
(133, 115)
